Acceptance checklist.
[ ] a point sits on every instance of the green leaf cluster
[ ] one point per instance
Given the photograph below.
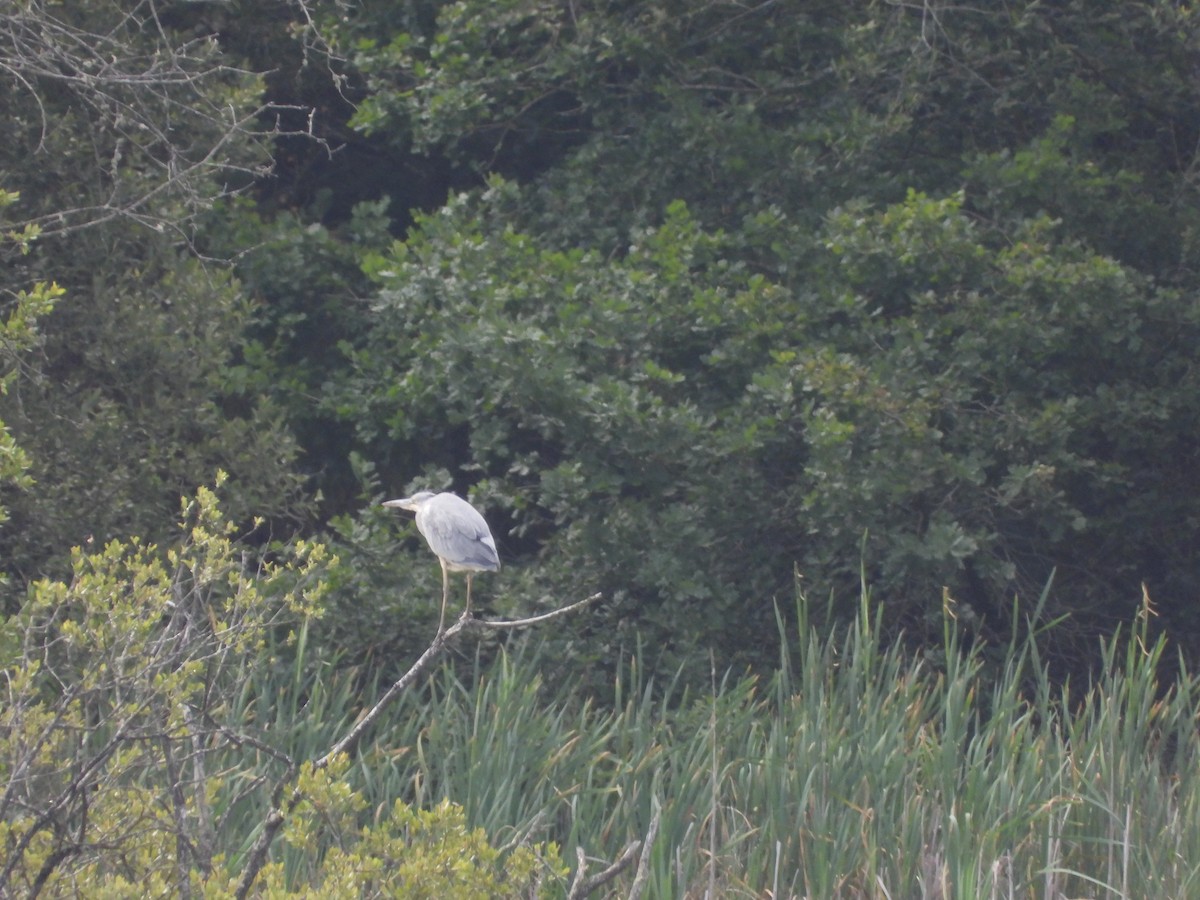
(115, 704)
(406, 853)
(18, 333)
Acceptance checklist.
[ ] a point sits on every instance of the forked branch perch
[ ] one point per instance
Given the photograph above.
(582, 886)
(281, 808)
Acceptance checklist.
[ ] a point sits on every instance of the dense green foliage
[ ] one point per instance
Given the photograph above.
(741, 292)
(773, 278)
(121, 135)
(701, 303)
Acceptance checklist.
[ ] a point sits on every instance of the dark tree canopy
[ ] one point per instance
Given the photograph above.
(692, 297)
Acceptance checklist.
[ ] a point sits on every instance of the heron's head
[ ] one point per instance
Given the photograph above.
(412, 503)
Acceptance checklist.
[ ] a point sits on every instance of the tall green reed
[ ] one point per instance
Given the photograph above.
(855, 770)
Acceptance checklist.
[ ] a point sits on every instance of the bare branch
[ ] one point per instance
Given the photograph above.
(643, 870)
(349, 742)
(581, 886)
(171, 124)
(510, 624)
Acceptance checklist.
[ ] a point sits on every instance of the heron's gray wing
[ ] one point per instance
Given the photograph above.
(458, 534)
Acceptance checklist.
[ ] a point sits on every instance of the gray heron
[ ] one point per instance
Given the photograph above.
(458, 536)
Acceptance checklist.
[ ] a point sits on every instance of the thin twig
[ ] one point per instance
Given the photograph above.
(581, 886)
(509, 624)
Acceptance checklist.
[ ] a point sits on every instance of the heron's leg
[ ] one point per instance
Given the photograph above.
(467, 611)
(445, 596)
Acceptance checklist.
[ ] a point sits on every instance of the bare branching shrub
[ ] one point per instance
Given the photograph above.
(132, 106)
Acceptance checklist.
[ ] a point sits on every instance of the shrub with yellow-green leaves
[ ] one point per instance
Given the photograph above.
(115, 723)
(406, 852)
(128, 765)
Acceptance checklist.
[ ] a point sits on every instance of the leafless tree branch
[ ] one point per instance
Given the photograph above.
(173, 126)
(281, 809)
(582, 886)
(643, 870)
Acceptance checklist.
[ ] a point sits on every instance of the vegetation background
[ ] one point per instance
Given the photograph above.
(708, 306)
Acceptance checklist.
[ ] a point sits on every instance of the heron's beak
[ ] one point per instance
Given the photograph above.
(402, 503)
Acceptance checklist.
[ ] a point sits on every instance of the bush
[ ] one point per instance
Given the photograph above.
(133, 758)
(679, 430)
